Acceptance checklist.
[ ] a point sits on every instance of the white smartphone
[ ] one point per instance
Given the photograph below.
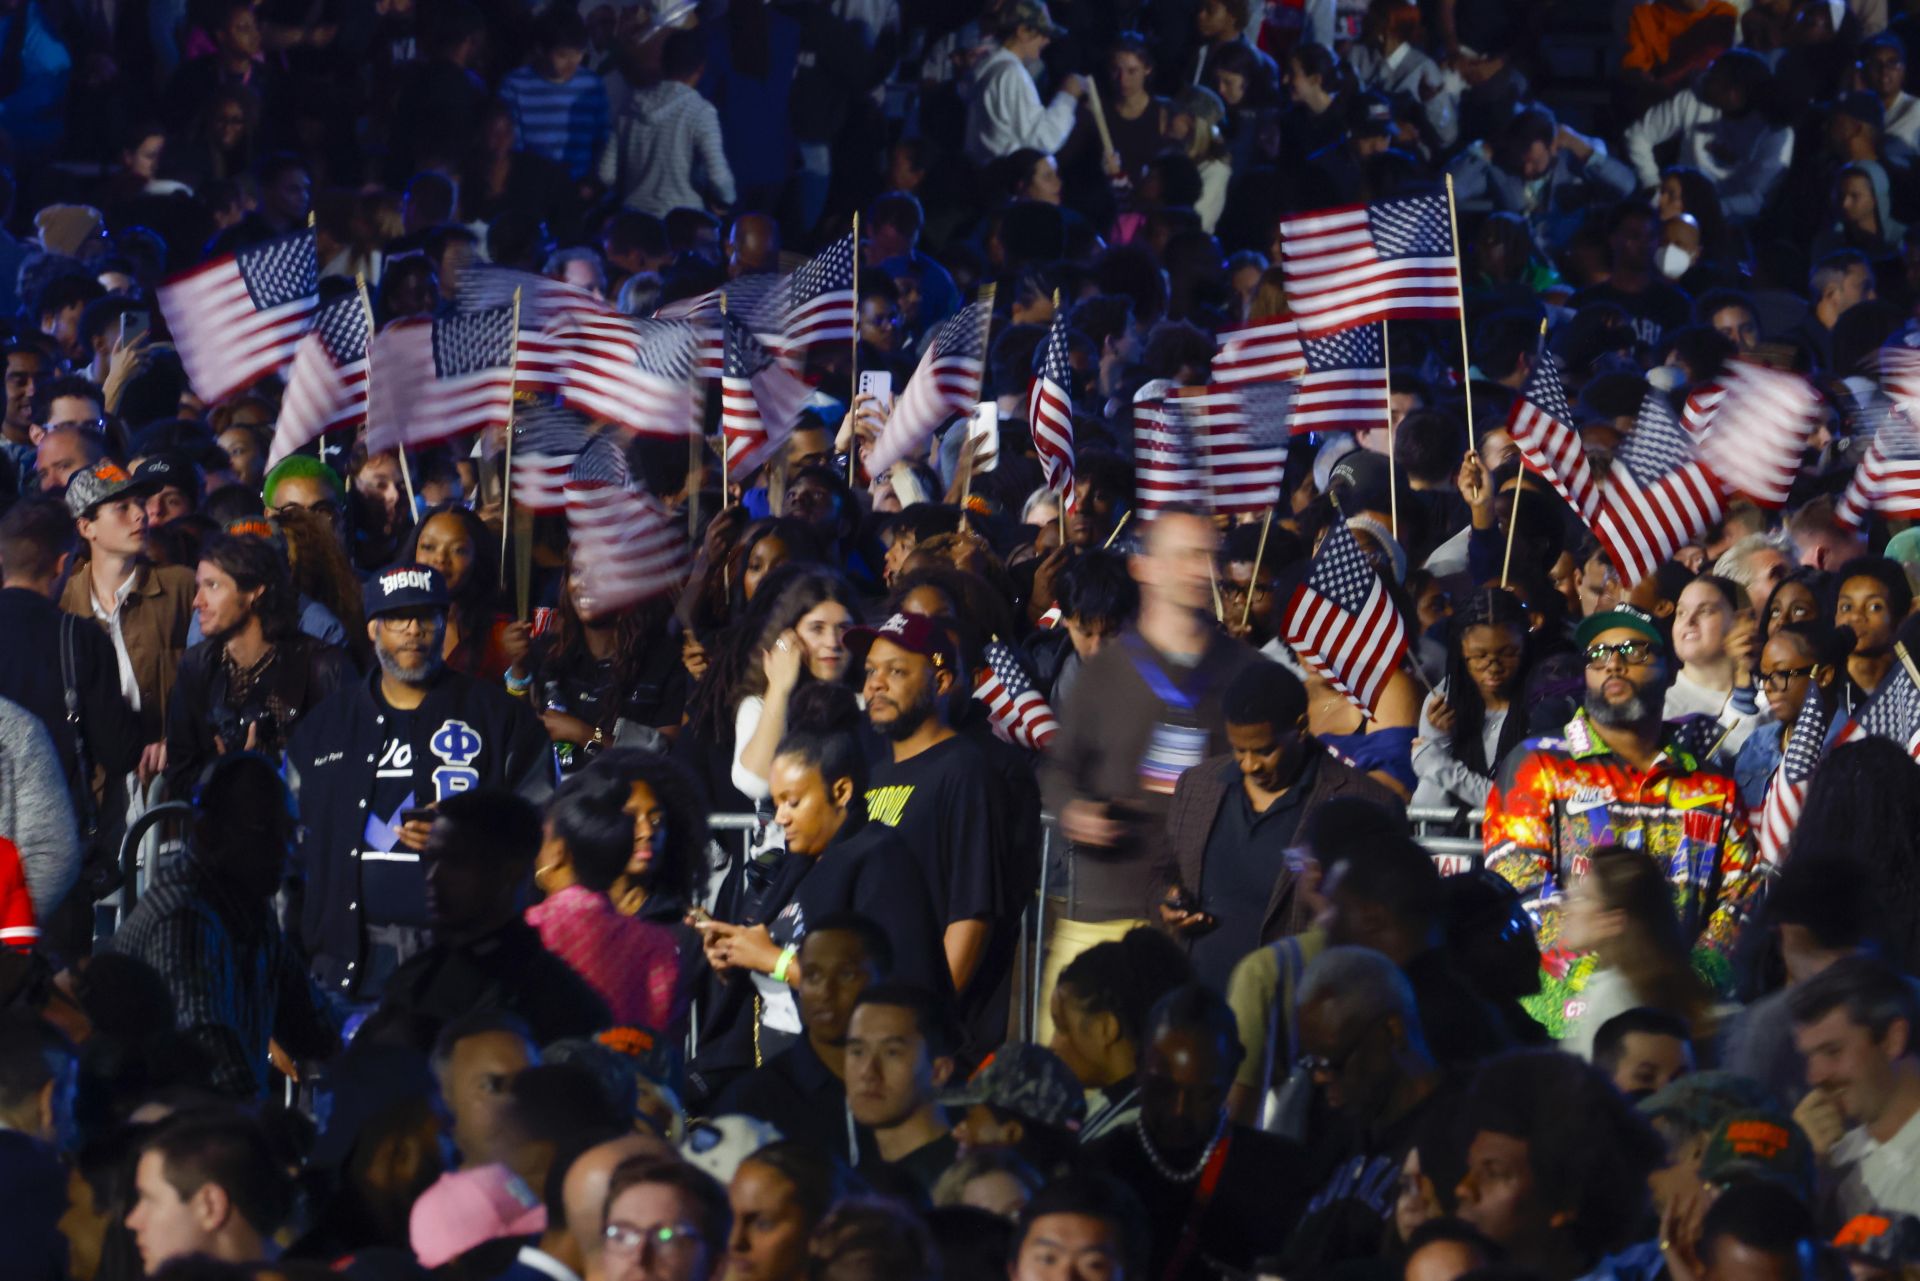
(984, 427)
(878, 383)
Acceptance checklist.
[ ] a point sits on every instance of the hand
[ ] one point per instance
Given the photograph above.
(563, 728)
(863, 422)
(1680, 1231)
(1045, 577)
(413, 833)
(782, 664)
(251, 745)
(742, 947)
(1182, 921)
(153, 762)
(1440, 713)
(1820, 1116)
(1074, 86)
(516, 642)
(1573, 141)
(722, 530)
(1475, 490)
(1743, 646)
(693, 656)
(125, 361)
(1087, 823)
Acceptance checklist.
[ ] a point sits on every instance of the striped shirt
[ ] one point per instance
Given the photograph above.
(666, 153)
(566, 122)
(235, 979)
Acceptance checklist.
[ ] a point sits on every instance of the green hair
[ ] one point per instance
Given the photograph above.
(300, 467)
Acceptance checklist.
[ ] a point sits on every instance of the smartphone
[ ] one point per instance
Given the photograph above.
(421, 814)
(984, 427)
(134, 326)
(878, 383)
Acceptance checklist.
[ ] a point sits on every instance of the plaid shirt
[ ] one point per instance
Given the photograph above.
(235, 979)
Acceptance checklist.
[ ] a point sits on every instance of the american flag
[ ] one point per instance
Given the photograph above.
(817, 303)
(1788, 793)
(625, 547)
(1239, 441)
(1050, 411)
(946, 383)
(753, 299)
(1345, 386)
(1658, 496)
(543, 301)
(1700, 405)
(327, 386)
(546, 440)
(241, 317)
(1017, 711)
(759, 401)
(1888, 477)
(1892, 713)
(634, 372)
(1541, 425)
(440, 378)
(1759, 430)
(1392, 259)
(1342, 623)
(1900, 377)
(1166, 468)
(1263, 351)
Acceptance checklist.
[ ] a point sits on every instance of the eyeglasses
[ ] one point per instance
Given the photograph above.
(410, 622)
(1776, 681)
(627, 1239)
(1317, 1065)
(1630, 653)
(1498, 658)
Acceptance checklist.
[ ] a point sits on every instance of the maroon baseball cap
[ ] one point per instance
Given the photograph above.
(915, 632)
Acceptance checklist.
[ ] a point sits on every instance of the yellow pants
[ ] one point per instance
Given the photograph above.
(1065, 941)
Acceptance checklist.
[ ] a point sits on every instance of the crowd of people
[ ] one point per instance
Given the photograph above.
(963, 867)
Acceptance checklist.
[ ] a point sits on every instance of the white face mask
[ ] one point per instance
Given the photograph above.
(1674, 261)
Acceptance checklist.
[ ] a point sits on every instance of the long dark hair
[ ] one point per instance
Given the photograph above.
(812, 587)
(478, 598)
(1488, 607)
(636, 628)
(675, 872)
(711, 705)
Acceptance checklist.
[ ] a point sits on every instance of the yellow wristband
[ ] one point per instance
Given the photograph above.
(780, 966)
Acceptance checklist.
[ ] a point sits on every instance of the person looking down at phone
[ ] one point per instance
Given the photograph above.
(1717, 640)
(1228, 886)
(372, 763)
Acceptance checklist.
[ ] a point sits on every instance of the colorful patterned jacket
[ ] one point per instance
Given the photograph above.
(1557, 799)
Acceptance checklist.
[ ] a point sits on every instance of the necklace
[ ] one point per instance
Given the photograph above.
(1159, 1162)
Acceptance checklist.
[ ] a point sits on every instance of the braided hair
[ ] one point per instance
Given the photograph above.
(1127, 977)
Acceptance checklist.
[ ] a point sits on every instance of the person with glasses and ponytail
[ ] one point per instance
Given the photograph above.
(1797, 660)
(1475, 718)
(1618, 774)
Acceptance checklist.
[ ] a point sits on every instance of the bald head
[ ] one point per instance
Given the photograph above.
(754, 245)
(585, 1189)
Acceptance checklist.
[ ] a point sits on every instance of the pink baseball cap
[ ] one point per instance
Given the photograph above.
(472, 1207)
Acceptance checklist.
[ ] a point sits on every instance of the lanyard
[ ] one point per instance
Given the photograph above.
(1202, 1197)
(1163, 687)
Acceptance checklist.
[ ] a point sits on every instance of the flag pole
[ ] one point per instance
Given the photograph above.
(1460, 297)
(966, 486)
(406, 473)
(1260, 552)
(853, 372)
(506, 474)
(1393, 486)
(1118, 525)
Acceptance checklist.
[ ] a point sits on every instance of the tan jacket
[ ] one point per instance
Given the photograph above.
(154, 621)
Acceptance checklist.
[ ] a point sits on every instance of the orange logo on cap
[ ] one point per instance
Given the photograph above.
(112, 473)
(1763, 1139)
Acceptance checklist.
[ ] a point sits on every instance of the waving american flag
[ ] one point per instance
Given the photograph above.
(946, 383)
(1017, 711)
(633, 372)
(327, 386)
(440, 378)
(1888, 477)
(1264, 351)
(1787, 795)
(817, 303)
(759, 400)
(241, 316)
(1541, 425)
(1166, 468)
(1758, 430)
(1050, 410)
(1392, 259)
(625, 547)
(1658, 497)
(1345, 386)
(1342, 623)
(1239, 441)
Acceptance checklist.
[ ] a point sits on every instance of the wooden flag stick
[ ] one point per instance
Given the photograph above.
(1118, 525)
(1246, 611)
(506, 474)
(725, 494)
(1460, 285)
(1513, 519)
(1393, 488)
(853, 372)
(1213, 577)
(1100, 121)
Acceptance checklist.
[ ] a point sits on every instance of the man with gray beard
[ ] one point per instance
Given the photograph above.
(1619, 775)
(371, 762)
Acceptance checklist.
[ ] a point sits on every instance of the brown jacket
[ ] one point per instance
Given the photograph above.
(154, 621)
(1196, 803)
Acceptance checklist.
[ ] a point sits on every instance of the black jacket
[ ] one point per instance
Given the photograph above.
(468, 735)
(304, 673)
(30, 676)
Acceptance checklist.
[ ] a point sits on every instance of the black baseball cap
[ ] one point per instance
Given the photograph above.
(405, 587)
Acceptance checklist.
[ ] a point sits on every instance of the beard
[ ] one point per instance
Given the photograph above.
(910, 718)
(1632, 711)
(421, 675)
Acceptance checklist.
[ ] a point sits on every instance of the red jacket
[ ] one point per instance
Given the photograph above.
(17, 928)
